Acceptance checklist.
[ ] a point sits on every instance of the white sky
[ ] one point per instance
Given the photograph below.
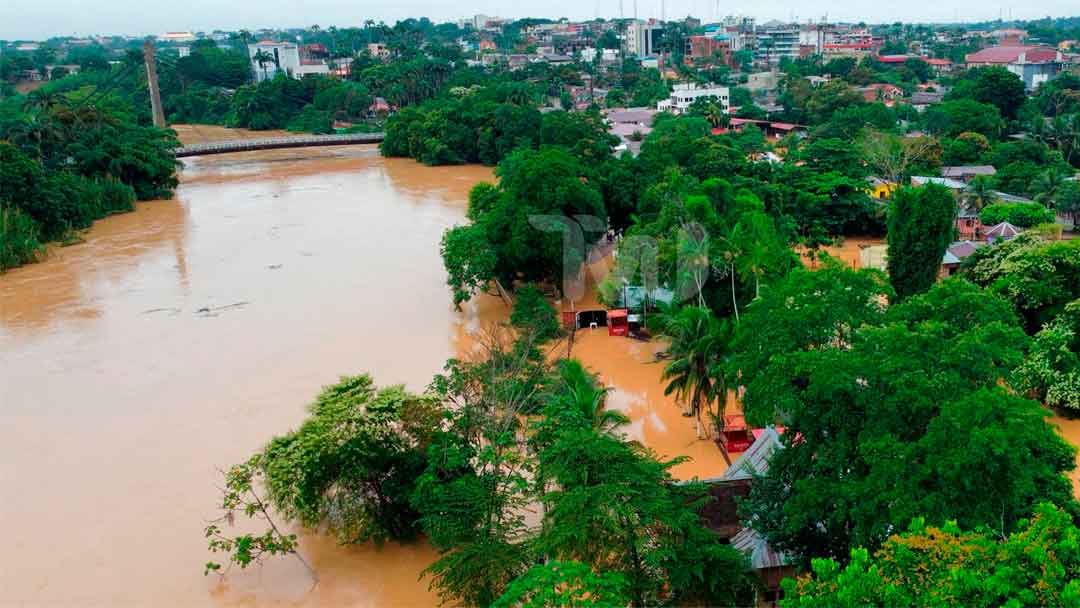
(37, 19)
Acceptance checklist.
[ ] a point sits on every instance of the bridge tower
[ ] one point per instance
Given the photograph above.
(149, 56)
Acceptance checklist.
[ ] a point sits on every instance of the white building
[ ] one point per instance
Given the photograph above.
(278, 57)
(776, 40)
(643, 39)
(685, 94)
(607, 55)
(178, 37)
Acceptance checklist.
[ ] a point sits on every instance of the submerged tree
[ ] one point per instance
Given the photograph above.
(695, 373)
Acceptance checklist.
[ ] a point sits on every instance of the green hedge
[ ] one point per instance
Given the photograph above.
(1022, 215)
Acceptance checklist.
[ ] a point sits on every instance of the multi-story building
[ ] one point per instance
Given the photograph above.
(715, 46)
(269, 58)
(775, 40)
(684, 94)
(643, 38)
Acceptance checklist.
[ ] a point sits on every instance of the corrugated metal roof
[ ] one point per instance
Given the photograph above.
(1003, 230)
(761, 555)
(756, 458)
(962, 170)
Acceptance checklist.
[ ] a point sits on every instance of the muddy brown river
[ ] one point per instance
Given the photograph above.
(178, 339)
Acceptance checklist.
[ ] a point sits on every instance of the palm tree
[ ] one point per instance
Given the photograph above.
(715, 115)
(578, 390)
(699, 346)
(980, 193)
(1046, 186)
(263, 58)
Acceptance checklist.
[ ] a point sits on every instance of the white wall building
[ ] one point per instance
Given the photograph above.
(643, 39)
(686, 93)
(285, 55)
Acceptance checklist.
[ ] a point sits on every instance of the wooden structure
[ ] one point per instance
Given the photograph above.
(721, 514)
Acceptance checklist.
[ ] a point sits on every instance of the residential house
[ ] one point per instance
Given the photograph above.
(630, 125)
(857, 50)
(923, 99)
(881, 91)
(59, 71)
(772, 129)
(379, 107)
(880, 188)
(178, 37)
(269, 58)
(966, 173)
(721, 514)
(685, 94)
(1002, 232)
(955, 255)
(378, 50)
(1033, 64)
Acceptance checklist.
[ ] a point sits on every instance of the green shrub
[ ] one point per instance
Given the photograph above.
(533, 313)
(19, 242)
(1022, 215)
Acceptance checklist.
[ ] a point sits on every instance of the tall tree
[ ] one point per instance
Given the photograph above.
(922, 223)
(909, 421)
(695, 372)
(1038, 565)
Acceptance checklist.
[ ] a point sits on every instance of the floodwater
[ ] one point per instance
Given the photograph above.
(179, 338)
(1069, 428)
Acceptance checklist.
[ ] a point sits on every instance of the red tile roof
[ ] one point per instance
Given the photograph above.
(1012, 54)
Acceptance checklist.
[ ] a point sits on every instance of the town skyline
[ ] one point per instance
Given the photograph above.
(39, 20)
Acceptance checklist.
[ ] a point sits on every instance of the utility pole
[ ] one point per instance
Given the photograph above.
(152, 82)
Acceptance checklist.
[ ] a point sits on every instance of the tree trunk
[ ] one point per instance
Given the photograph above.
(734, 302)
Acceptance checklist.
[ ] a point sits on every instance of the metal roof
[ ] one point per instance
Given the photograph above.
(755, 460)
(761, 555)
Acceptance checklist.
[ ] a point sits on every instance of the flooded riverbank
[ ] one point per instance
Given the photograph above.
(179, 338)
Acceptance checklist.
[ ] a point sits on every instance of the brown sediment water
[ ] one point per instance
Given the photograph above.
(179, 338)
(1069, 428)
(854, 251)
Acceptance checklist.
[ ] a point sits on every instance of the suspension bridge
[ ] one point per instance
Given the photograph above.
(271, 143)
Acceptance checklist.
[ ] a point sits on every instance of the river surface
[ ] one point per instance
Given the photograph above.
(179, 338)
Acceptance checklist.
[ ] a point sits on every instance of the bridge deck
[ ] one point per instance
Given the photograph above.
(269, 143)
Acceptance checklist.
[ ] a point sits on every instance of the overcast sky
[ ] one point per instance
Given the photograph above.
(37, 19)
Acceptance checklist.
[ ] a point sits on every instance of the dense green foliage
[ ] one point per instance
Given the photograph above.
(64, 164)
(534, 314)
(903, 418)
(519, 226)
(1021, 215)
(352, 465)
(1037, 565)
(386, 464)
(922, 223)
(485, 125)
